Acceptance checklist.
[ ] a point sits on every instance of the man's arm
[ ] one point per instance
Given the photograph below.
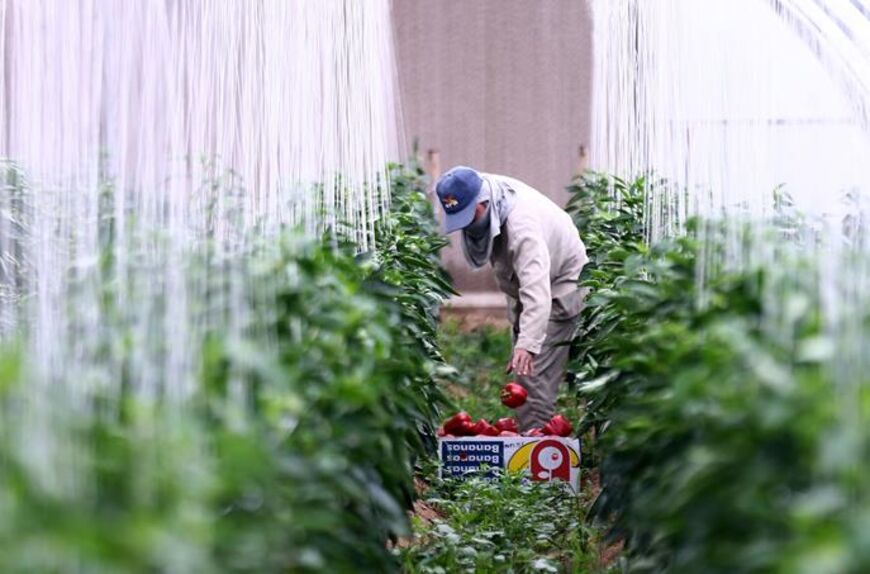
(531, 262)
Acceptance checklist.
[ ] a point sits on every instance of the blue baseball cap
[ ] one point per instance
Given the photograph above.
(457, 191)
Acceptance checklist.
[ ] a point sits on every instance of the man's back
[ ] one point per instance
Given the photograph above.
(535, 213)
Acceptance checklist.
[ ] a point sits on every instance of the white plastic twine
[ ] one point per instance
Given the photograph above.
(730, 99)
(727, 100)
(182, 121)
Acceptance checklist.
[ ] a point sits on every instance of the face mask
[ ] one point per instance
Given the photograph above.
(479, 228)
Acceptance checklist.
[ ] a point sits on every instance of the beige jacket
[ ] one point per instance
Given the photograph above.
(537, 260)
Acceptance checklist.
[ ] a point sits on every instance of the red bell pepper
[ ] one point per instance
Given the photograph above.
(558, 426)
(533, 432)
(483, 428)
(458, 424)
(507, 424)
(466, 428)
(479, 426)
(508, 433)
(513, 395)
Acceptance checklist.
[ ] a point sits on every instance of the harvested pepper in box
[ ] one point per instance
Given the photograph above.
(507, 424)
(558, 426)
(483, 428)
(459, 424)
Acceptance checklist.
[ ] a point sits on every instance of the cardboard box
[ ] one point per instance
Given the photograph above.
(541, 458)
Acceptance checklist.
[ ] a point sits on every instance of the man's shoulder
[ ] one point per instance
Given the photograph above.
(525, 193)
(515, 184)
(522, 222)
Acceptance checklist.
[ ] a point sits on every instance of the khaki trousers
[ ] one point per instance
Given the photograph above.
(548, 374)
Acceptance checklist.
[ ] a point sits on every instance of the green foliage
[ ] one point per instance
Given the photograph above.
(609, 214)
(507, 525)
(344, 404)
(479, 357)
(142, 502)
(726, 445)
(706, 433)
(331, 418)
(293, 453)
(407, 261)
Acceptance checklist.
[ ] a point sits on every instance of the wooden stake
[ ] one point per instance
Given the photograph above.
(582, 159)
(433, 167)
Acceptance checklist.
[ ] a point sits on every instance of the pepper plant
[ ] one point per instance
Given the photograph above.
(725, 443)
(295, 449)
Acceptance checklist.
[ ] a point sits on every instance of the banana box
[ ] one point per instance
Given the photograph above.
(541, 458)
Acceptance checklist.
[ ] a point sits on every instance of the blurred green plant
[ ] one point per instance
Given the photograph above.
(725, 444)
(320, 474)
(407, 261)
(348, 398)
(609, 214)
(295, 451)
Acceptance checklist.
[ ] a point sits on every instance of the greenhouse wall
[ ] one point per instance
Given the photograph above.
(500, 85)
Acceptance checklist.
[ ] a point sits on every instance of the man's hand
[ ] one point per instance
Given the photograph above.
(521, 363)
